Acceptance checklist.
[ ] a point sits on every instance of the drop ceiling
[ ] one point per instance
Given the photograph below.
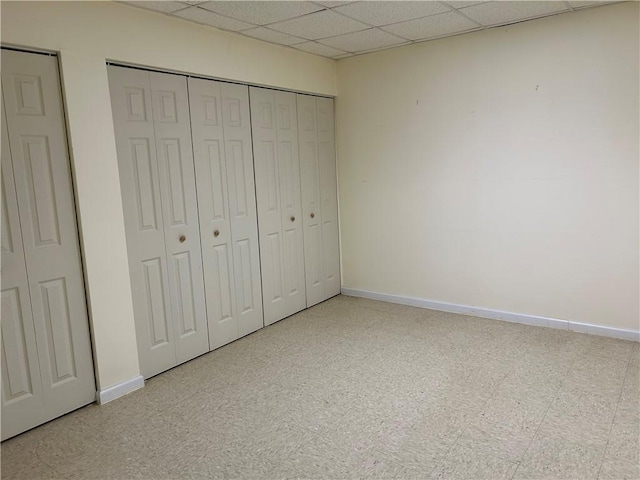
(342, 29)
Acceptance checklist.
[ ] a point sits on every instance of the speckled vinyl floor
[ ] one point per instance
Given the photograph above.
(354, 388)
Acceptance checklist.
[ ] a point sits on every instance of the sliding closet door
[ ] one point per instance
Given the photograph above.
(155, 162)
(319, 204)
(180, 214)
(46, 212)
(226, 202)
(277, 169)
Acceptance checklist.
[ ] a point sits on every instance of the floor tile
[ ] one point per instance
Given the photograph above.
(624, 439)
(464, 462)
(503, 440)
(23, 465)
(557, 458)
(597, 374)
(580, 418)
(616, 469)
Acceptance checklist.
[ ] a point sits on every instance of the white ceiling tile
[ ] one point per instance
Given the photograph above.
(384, 13)
(461, 4)
(500, 13)
(164, 7)
(331, 4)
(363, 40)
(200, 15)
(589, 4)
(262, 13)
(319, 49)
(433, 26)
(268, 35)
(319, 25)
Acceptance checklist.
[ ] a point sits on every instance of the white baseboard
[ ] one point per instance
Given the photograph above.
(603, 331)
(536, 320)
(119, 390)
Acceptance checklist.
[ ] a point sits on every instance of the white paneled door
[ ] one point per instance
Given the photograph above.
(223, 155)
(277, 169)
(319, 197)
(47, 367)
(157, 179)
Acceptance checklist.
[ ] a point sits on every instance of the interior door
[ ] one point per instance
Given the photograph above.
(205, 100)
(226, 203)
(328, 196)
(44, 192)
(236, 123)
(131, 106)
(180, 214)
(22, 396)
(319, 197)
(311, 201)
(277, 172)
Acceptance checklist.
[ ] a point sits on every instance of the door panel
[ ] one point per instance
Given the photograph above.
(277, 170)
(176, 176)
(37, 139)
(328, 196)
(319, 197)
(226, 201)
(22, 396)
(205, 100)
(242, 206)
(311, 200)
(131, 104)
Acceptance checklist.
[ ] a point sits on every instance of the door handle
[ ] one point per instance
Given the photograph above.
(216, 233)
(293, 219)
(182, 238)
(313, 215)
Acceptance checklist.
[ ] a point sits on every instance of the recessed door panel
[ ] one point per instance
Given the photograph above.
(143, 184)
(280, 220)
(43, 285)
(155, 299)
(57, 321)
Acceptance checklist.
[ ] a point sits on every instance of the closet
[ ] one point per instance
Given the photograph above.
(47, 365)
(186, 172)
(319, 197)
(230, 205)
(277, 166)
(157, 180)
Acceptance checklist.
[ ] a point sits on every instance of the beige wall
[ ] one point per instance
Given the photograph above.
(86, 34)
(498, 169)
